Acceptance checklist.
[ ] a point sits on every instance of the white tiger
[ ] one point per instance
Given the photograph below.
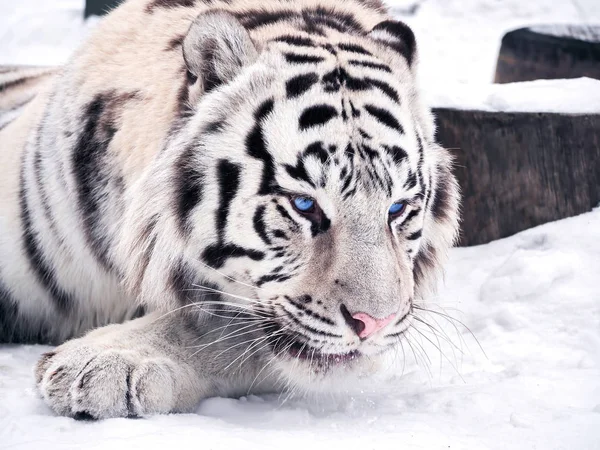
(258, 177)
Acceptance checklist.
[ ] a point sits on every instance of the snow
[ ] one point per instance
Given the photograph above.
(582, 33)
(575, 96)
(533, 303)
(531, 300)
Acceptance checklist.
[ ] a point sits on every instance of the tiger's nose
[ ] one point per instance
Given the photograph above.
(363, 324)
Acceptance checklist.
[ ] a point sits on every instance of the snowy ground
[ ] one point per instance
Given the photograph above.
(532, 301)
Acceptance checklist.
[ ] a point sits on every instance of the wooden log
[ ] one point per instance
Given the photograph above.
(549, 52)
(520, 170)
(100, 7)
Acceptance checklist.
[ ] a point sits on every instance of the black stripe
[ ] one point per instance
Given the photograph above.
(294, 58)
(257, 18)
(371, 65)
(313, 19)
(41, 179)
(62, 300)
(9, 312)
(397, 153)
(317, 115)
(256, 146)
(188, 181)
(280, 235)
(299, 84)
(14, 83)
(385, 117)
(273, 278)
(286, 215)
(16, 328)
(309, 312)
(298, 172)
(416, 235)
(308, 327)
(441, 205)
(354, 49)
(410, 216)
(91, 173)
(216, 255)
(424, 262)
(329, 17)
(259, 224)
(228, 175)
(176, 43)
(317, 150)
(384, 87)
(297, 41)
(339, 76)
(184, 282)
(411, 181)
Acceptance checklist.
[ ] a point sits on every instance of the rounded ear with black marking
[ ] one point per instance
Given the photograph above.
(398, 36)
(215, 50)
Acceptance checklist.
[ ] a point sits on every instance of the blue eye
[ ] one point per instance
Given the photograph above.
(304, 204)
(396, 209)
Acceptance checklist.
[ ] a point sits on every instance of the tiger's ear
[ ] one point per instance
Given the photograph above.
(215, 50)
(398, 36)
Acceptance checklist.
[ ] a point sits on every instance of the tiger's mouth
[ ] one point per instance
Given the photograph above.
(303, 351)
(293, 347)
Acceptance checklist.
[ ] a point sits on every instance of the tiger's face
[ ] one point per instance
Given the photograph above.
(307, 190)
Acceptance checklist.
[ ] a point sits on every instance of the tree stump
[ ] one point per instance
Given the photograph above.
(520, 170)
(100, 7)
(549, 52)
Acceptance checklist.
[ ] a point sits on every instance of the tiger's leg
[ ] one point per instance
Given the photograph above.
(145, 366)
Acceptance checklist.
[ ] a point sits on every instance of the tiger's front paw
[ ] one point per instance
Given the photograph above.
(97, 383)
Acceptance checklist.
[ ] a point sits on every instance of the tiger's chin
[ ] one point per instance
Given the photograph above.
(313, 369)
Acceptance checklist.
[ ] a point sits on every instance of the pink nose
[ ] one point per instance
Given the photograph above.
(365, 325)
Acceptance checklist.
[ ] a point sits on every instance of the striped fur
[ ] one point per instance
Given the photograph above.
(166, 156)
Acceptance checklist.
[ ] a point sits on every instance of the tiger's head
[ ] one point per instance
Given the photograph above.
(304, 185)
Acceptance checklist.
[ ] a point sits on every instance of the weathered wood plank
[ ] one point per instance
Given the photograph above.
(549, 52)
(520, 170)
(100, 7)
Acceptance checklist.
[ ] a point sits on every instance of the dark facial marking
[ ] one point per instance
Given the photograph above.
(188, 182)
(259, 224)
(298, 41)
(441, 205)
(294, 58)
(317, 115)
(423, 263)
(216, 255)
(384, 117)
(414, 236)
(273, 278)
(294, 225)
(228, 175)
(354, 48)
(256, 146)
(298, 85)
(370, 65)
(397, 153)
